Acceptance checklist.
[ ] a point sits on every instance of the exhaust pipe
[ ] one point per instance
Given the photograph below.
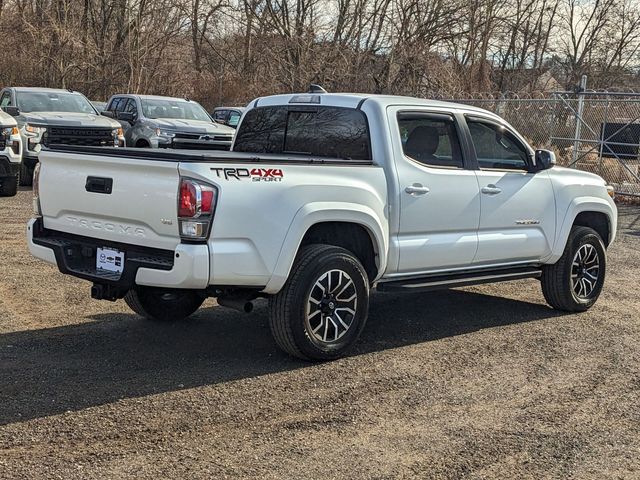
(237, 303)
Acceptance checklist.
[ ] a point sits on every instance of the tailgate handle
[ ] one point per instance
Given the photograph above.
(99, 185)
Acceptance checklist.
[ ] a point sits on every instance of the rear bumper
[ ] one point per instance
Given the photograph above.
(186, 267)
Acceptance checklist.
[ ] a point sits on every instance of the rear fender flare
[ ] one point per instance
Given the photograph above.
(320, 212)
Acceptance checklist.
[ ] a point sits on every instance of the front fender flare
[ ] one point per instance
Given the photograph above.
(577, 206)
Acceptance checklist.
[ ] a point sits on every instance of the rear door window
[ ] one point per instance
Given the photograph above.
(331, 132)
(430, 139)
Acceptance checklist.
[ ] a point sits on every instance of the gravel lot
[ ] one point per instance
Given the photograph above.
(485, 382)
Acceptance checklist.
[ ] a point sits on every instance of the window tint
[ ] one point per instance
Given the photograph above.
(173, 108)
(116, 104)
(130, 107)
(33, 101)
(6, 99)
(234, 118)
(431, 140)
(497, 147)
(315, 131)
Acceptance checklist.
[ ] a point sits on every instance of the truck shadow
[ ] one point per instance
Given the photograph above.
(50, 371)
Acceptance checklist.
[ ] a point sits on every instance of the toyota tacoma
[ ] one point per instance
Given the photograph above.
(322, 198)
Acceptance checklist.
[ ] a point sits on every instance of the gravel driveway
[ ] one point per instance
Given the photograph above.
(484, 382)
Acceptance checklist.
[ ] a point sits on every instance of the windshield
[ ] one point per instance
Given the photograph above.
(53, 102)
(180, 109)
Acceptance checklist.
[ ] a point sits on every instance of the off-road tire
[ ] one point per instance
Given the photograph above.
(556, 279)
(287, 309)
(163, 305)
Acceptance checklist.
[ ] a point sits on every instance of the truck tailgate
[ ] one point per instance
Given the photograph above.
(85, 194)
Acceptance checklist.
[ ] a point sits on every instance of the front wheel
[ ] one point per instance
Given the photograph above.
(8, 186)
(323, 306)
(163, 304)
(25, 176)
(575, 281)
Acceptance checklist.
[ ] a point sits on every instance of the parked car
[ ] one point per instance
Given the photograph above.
(166, 122)
(324, 197)
(10, 151)
(99, 106)
(49, 116)
(229, 116)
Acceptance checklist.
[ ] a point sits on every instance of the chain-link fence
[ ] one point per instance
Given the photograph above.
(597, 132)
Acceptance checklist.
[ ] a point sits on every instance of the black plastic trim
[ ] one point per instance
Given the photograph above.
(166, 155)
(75, 255)
(462, 279)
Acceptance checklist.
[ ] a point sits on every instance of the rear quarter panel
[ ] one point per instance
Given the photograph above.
(261, 218)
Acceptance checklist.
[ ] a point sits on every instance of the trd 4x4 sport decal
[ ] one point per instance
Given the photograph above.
(255, 174)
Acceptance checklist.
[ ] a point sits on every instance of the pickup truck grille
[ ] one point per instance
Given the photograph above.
(94, 137)
(200, 146)
(197, 136)
(197, 141)
(3, 142)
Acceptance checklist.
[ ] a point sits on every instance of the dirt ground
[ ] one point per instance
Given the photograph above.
(485, 382)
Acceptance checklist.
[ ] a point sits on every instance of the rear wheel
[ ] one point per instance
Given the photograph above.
(575, 281)
(163, 304)
(26, 175)
(323, 306)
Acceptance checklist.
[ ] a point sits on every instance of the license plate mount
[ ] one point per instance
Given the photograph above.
(109, 259)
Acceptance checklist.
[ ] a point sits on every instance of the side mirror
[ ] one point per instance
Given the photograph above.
(107, 113)
(125, 116)
(13, 111)
(544, 159)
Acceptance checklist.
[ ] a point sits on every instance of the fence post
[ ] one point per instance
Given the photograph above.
(576, 143)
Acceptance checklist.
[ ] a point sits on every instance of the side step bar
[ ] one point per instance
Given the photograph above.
(437, 282)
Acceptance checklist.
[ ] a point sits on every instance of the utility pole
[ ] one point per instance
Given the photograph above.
(576, 144)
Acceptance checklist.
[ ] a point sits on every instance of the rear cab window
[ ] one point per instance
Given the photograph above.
(317, 131)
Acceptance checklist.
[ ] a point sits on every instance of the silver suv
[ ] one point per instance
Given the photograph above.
(165, 122)
(52, 116)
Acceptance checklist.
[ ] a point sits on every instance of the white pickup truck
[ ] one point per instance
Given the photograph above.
(324, 197)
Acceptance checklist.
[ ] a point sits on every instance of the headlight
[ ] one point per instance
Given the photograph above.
(30, 129)
(611, 191)
(118, 137)
(8, 131)
(164, 133)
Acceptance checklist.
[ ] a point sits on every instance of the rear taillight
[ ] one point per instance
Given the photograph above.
(196, 206)
(37, 211)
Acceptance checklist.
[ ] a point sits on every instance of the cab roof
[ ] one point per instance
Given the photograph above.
(357, 100)
(43, 89)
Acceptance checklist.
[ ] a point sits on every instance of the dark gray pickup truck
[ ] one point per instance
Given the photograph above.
(165, 122)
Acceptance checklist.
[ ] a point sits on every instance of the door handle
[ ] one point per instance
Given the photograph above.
(416, 189)
(491, 190)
